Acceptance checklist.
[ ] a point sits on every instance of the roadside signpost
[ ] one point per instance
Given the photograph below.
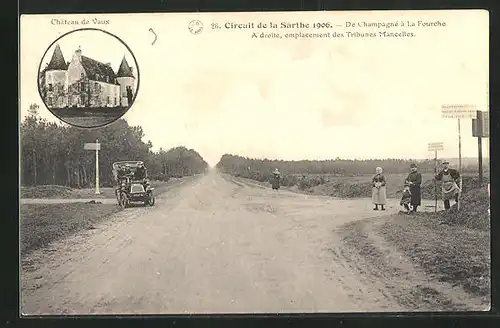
(459, 112)
(481, 129)
(96, 147)
(435, 147)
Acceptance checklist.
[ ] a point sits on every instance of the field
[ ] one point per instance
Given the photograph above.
(360, 186)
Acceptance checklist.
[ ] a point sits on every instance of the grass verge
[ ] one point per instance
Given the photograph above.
(63, 192)
(41, 224)
(453, 254)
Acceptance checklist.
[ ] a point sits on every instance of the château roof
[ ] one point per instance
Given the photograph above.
(57, 61)
(124, 70)
(98, 71)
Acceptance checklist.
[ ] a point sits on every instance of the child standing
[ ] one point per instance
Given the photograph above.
(406, 198)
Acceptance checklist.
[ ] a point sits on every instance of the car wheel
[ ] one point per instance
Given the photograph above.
(124, 201)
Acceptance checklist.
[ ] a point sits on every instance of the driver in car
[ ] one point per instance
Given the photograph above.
(122, 172)
(140, 172)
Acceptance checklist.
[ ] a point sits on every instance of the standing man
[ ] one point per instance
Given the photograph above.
(449, 187)
(414, 180)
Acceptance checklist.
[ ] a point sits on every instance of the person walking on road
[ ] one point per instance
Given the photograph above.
(275, 179)
(450, 180)
(414, 180)
(378, 190)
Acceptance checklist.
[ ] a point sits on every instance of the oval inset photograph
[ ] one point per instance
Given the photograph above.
(88, 78)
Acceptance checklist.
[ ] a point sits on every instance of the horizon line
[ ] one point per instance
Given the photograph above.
(354, 159)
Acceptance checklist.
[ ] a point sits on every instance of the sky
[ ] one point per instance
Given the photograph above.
(222, 91)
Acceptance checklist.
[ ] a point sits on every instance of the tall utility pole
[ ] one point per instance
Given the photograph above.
(480, 130)
(479, 121)
(459, 112)
(97, 191)
(459, 148)
(435, 182)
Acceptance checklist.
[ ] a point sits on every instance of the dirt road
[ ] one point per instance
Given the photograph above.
(211, 246)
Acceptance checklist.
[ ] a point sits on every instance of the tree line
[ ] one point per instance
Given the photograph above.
(259, 169)
(53, 153)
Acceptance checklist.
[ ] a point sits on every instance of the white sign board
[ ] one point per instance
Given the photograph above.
(458, 111)
(92, 146)
(435, 146)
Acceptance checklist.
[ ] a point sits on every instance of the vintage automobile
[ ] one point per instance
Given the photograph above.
(127, 189)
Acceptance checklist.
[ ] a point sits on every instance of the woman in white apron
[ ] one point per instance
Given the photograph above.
(449, 187)
(378, 190)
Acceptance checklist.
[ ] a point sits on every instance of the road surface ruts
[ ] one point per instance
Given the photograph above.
(208, 246)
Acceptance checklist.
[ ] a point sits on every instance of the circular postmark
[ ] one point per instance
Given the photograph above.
(88, 78)
(195, 27)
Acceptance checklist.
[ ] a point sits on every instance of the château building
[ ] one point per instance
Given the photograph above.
(85, 82)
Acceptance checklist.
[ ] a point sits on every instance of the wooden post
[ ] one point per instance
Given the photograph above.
(97, 191)
(435, 182)
(459, 148)
(479, 131)
(480, 157)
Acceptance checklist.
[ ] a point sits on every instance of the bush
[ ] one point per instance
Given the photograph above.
(308, 182)
(473, 212)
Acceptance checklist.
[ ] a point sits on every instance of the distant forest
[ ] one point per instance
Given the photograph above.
(249, 167)
(53, 154)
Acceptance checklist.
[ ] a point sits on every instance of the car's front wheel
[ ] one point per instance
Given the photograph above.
(124, 202)
(151, 200)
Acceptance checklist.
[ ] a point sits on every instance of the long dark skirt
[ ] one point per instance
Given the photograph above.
(416, 197)
(275, 182)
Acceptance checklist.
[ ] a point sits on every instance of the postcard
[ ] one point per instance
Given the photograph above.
(257, 162)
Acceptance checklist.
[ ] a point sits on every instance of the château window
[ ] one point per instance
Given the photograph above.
(50, 87)
(82, 75)
(116, 101)
(109, 101)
